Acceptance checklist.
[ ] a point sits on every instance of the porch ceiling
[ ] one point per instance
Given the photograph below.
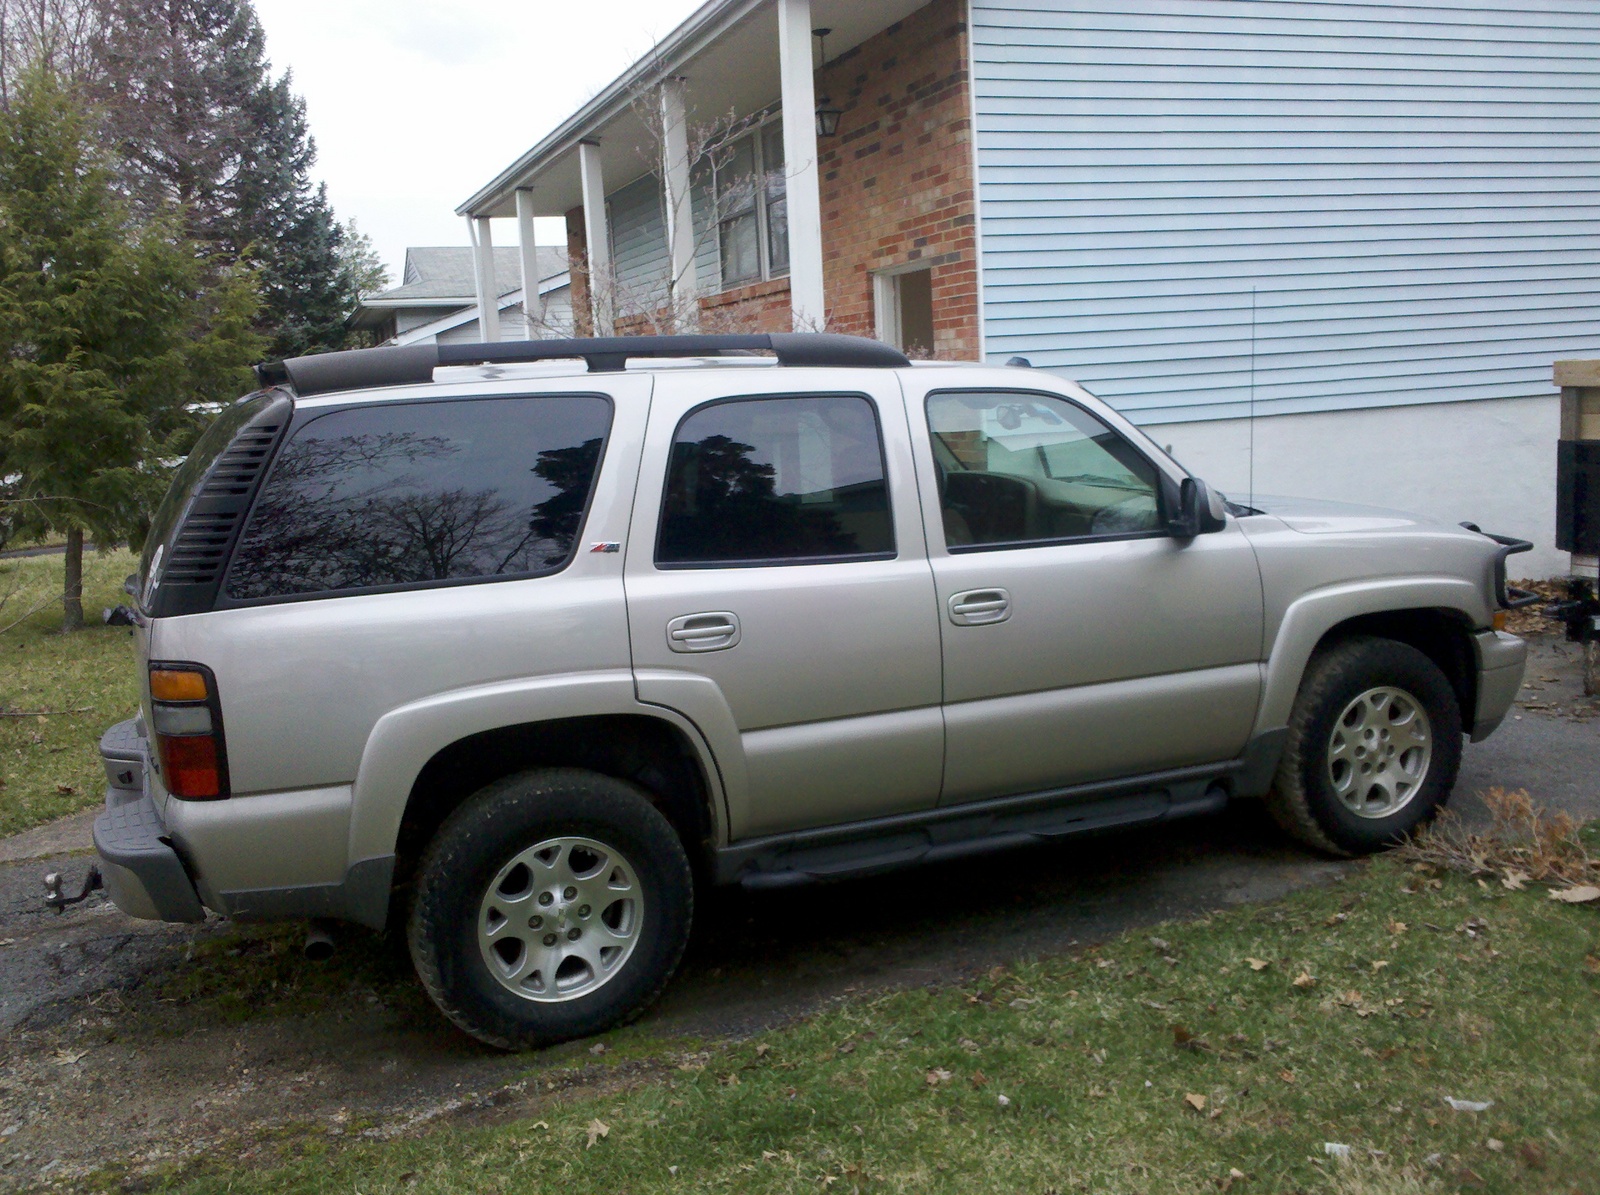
(728, 54)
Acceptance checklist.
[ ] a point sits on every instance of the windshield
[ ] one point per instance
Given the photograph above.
(192, 473)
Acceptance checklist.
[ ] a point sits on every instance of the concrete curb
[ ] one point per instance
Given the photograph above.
(68, 835)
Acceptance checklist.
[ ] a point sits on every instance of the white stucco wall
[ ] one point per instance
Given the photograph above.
(1491, 462)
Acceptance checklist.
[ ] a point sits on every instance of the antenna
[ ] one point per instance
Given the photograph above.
(1251, 501)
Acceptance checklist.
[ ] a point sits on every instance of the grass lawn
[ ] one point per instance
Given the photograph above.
(49, 764)
(1219, 1055)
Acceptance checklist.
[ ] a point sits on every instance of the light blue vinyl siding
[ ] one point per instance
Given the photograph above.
(639, 242)
(707, 253)
(639, 252)
(1412, 190)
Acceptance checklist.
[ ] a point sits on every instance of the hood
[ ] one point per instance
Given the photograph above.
(1313, 516)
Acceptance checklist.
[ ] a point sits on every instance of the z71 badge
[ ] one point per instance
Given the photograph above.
(605, 547)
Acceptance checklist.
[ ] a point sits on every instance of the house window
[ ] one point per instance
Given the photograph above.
(752, 207)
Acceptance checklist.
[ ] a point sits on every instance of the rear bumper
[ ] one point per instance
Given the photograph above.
(1501, 659)
(143, 874)
(272, 857)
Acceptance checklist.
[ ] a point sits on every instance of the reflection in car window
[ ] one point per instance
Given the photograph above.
(1029, 468)
(761, 480)
(403, 494)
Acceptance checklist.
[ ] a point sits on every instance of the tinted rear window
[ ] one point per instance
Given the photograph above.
(397, 495)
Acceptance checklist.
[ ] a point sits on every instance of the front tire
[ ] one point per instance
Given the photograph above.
(1373, 749)
(551, 905)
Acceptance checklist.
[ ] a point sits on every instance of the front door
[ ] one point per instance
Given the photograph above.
(770, 557)
(1081, 642)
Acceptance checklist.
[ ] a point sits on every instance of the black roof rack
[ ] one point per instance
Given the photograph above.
(410, 364)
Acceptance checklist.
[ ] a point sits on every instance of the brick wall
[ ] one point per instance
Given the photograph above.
(578, 264)
(757, 307)
(897, 182)
(896, 189)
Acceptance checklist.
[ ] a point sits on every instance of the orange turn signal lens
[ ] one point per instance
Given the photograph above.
(171, 684)
(1499, 620)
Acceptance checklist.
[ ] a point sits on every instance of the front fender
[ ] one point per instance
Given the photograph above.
(1312, 615)
(405, 739)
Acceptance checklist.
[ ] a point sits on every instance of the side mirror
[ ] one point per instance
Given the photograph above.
(1200, 510)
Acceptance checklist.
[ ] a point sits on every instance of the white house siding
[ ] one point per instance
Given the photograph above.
(557, 313)
(1408, 188)
(1492, 463)
(513, 326)
(468, 332)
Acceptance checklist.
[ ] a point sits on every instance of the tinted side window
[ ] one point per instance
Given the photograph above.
(404, 494)
(1031, 468)
(764, 480)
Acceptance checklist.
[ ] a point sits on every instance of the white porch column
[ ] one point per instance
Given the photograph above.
(684, 292)
(488, 293)
(602, 296)
(800, 165)
(532, 304)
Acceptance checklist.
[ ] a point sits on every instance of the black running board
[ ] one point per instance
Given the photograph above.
(953, 832)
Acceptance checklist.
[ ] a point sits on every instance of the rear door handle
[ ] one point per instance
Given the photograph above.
(979, 607)
(716, 630)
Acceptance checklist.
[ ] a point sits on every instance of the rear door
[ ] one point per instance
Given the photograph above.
(1081, 642)
(777, 579)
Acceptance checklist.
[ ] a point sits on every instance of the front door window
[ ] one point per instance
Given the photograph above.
(1018, 468)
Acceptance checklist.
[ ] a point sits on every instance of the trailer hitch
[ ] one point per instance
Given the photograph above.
(1579, 611)
(53, 896)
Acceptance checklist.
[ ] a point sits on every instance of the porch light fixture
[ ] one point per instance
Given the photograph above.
(827, 114)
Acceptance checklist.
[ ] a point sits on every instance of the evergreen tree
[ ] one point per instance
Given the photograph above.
(105, 341)
(202, 124)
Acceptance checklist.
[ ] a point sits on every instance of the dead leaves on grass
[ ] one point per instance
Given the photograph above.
(1579, 894)
(1524, 842)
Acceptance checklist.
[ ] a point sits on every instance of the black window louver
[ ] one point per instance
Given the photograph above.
(199, 550)
(197, 556)
(236, 470)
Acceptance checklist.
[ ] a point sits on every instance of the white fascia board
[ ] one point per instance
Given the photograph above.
(703, 27)
(430, 302)
(470, 312)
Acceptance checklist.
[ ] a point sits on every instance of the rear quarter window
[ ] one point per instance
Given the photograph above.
(399, 495)
(189, 476)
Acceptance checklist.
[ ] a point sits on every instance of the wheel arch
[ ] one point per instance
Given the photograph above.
(1435, 617)
(423, 759)
(1443, 635)
(645, 750)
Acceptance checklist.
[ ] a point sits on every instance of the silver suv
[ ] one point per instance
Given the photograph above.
(521, 643)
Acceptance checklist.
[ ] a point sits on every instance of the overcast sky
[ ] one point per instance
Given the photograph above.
(415, 104)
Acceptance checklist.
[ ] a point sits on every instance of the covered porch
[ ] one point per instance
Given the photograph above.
(732, 181)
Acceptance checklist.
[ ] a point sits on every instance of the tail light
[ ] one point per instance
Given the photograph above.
(187, 720)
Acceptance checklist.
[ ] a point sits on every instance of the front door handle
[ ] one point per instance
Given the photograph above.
(713, 631)
(979, 607)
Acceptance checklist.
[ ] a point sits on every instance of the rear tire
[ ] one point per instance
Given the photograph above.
(1373, 749)
(551, 905)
